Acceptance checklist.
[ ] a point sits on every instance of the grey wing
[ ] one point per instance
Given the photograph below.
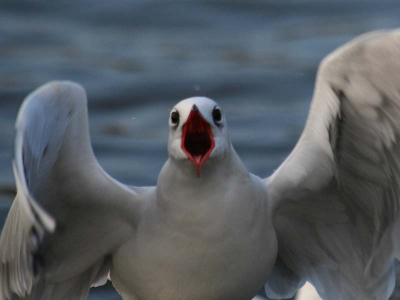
(68, 216)
(336, 196)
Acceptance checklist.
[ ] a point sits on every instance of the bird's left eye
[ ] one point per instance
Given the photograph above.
(175, 118)
(217, 115)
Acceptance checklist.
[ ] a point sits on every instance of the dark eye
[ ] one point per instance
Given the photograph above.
(175, 118)
(217, 115)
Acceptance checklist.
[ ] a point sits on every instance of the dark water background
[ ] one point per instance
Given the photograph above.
(136, 59)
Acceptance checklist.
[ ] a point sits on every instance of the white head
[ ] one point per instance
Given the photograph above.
(198, 132)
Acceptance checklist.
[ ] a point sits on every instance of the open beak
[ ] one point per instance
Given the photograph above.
(197, 139)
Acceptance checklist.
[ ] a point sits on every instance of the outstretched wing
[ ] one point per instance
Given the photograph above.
(68, 216)
(337, 195)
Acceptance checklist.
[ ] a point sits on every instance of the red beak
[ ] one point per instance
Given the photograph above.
(197, 139)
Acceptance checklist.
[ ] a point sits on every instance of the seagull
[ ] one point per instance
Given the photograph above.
(329, 215)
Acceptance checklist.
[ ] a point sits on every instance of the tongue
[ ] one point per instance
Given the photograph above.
(197, 159)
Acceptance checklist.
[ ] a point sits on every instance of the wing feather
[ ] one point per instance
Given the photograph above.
(68, 216)
(348, 155)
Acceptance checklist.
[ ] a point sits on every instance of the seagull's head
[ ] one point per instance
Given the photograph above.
(198, 132)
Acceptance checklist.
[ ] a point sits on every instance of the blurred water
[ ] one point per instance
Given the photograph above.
(136, 59)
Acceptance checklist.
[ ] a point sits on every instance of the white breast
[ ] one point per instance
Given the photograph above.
(214, 251)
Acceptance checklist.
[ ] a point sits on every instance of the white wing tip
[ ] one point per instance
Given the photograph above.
(58, 86)
(51, 91)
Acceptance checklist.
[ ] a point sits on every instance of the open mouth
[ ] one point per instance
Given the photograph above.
(197, 139)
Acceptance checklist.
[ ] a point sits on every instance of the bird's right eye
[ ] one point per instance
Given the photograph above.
(175, 118)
